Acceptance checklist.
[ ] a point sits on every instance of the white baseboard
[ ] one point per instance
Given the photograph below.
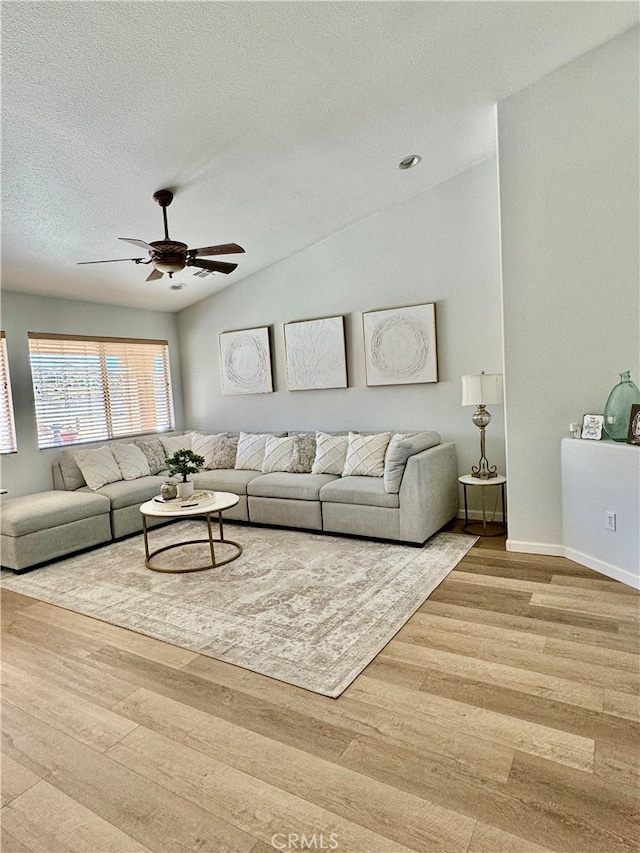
(603, 568)
(545, 548)
(599, 566)
(476, 515)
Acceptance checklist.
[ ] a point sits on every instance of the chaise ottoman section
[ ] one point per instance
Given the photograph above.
(41, 527)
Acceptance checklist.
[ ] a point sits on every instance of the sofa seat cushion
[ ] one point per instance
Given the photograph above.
(232, 480)
(45, 510)
(299, 487)
(129, 492)
(359, 490)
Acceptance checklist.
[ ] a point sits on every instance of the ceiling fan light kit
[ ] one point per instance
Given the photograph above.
(171, 256)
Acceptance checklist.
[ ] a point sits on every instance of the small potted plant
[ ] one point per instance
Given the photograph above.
(184, 462)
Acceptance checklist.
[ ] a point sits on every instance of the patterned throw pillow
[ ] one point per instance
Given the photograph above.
(154, 453)
(205, 446)
(250, 455)
(224, 454)
(331, 452)
(304, 453)
(278, 454)
(365, 455)
(98, 467)
(131, 461)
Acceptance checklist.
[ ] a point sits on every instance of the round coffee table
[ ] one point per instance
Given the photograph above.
(202, 503)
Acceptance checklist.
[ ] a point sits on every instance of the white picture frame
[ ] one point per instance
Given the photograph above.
(400, 345)
(245, 362)
(316, 354)
(592, 426)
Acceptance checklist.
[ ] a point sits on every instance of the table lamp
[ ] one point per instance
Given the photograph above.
(480, 390)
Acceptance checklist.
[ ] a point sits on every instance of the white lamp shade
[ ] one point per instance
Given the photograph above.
(482, 389)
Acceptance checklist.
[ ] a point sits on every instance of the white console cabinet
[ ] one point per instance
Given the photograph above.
(601, 491)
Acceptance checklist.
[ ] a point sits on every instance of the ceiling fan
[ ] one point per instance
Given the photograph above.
(170, 256)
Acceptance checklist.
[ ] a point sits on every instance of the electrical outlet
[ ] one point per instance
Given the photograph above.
(610, 522)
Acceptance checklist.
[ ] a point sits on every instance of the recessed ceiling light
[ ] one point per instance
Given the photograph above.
(177, 286)
(410, 161)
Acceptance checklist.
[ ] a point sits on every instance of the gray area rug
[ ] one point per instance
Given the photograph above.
(311, 610)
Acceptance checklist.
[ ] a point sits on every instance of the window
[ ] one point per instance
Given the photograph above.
(91, 389)
(8, 442)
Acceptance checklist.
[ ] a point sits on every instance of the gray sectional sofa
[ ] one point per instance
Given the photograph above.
(423, 499)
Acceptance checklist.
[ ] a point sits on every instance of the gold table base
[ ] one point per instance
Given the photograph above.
(214, 564)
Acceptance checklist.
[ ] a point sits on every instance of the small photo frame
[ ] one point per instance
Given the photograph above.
(592, 426)
(633, 436)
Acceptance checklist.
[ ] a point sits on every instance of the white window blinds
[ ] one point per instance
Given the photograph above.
(90, 389)
(8, 442)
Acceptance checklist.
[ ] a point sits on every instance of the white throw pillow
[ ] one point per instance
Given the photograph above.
(206, 446)
(98, 467)
(365, 455)
(250, 453)
(331, 452)
(278, 454)
(171, 443)
(131, 461)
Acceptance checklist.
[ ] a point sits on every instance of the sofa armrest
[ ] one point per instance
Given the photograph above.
(428, 492)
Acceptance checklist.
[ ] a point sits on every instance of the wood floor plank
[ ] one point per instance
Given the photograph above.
(428, 738)
(84, 720)
(582, 673)
(138, 806)
(509, 809)
(559, 746)
(500, 674)
(622, 704)
(613, 658)
(589, 603)
(607, 638)
(421, 625)
(44, 818)
(259, 809)
(74, 674)
(399, 816)
(255, 714)
(535, 709)
(516, 584)
(579, 797)
(489, 839)
(15, 779)
(617, 762)
(594, 583)
(10, 844)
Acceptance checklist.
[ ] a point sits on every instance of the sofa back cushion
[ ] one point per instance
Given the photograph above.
(365, 454)
(131, 461)
(98, 467)
(400, 448)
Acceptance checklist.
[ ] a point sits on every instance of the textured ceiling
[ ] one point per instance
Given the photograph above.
(276, 123)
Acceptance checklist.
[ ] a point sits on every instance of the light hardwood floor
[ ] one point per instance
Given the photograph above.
(503, 718)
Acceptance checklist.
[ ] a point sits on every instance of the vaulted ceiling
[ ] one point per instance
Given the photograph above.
(276, 124)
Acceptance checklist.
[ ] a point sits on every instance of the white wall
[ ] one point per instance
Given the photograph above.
(568, 164)
(441, 246)
(600, 477)
(29, 470)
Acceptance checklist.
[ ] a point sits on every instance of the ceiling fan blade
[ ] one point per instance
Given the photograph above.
(154, 275)
(222, 249)
(112, 261)
(140, 243)
(213, 266)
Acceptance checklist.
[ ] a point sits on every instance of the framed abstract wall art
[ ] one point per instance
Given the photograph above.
(400, 345)
(245, 362)
(316, 356)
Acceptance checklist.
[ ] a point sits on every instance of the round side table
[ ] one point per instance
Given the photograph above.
(484, 527)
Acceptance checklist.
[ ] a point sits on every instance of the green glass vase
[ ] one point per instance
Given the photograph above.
(618, 407)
